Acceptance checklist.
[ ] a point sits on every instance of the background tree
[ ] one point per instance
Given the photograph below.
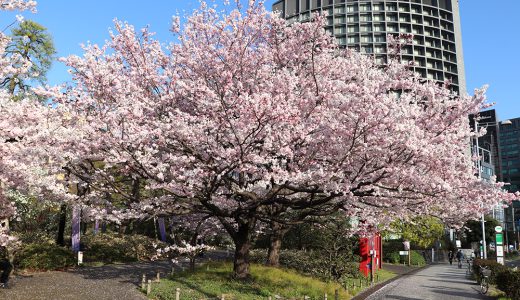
(473, 230)
(31, 42)
(422, 231)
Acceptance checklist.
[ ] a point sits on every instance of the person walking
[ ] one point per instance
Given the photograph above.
(450, 257)
(5, 267)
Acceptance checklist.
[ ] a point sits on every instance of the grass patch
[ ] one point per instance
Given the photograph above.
(265, 282)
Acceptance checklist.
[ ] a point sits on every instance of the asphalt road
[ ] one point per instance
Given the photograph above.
(437, 282)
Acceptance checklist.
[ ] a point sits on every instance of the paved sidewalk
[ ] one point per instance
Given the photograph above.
(437, 282)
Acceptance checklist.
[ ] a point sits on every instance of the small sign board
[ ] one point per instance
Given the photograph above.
(500, 260)
(403, 252)
(492, 246)
(458, 244)
(80, 257)
(498, 228)
(499, 239)
(500, 250)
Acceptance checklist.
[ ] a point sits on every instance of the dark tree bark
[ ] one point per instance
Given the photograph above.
(278, 230)
(242, 238)
(60, 238)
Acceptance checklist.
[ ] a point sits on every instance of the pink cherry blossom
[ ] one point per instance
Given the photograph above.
(246, 113)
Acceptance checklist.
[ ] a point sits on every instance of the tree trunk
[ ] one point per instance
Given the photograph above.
(192, 263)
(277, 233)
(60, 238)
(242, 239)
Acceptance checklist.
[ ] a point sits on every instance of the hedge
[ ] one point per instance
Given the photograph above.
(417, 258)
(43, 257)
(507, 280)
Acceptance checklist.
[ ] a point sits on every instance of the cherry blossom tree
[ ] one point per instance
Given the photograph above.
(33, 137)
(18, 5)
(245, 113)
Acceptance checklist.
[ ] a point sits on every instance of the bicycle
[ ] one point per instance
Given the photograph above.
(470, 266)
(485, 273)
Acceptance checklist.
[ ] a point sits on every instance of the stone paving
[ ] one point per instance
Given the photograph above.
(437, 282)
(110, 282)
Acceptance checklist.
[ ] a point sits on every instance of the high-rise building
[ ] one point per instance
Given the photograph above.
(510, 154)
(489, 153)
(509, 148)
(364, 24)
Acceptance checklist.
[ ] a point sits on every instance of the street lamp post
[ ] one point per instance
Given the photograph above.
(483, 222)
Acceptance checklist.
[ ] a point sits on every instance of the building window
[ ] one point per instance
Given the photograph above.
(365, 7)
(379, 7)
(366, 18)
(391, 7)
(379, 27)
(366, 39)
(353, 39)
(340, 30)
(366, 28)
(351, 8)
(353, 28)
(340, 10)
(353, 19)
(380, 38)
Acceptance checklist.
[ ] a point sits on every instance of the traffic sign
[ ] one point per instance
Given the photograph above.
(500, 239)
(500, 251)
(498, 229)
(403, 252)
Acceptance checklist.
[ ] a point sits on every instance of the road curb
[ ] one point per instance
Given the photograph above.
(365, 294)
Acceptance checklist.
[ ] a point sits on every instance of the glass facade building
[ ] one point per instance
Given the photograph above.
(510, 154)
(509, 146)
(364, 24)
(488, 147)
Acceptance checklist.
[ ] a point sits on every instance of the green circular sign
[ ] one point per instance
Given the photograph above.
(498, 229)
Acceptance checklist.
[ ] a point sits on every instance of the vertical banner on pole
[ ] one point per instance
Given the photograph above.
(162, 229)
(76, 222)
(96, 226)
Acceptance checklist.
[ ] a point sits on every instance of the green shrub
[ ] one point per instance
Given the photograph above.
(393, 257)
(312, 263)
(391, 251)
(512, 254)
(494, 266)
(508, 281)
(44, 256)
(417, 258)
(113, 247)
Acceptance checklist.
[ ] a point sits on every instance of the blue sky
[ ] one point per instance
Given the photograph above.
(490, 36)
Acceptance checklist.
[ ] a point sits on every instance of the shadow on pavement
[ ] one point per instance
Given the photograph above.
(401, 298)
(465, 295)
